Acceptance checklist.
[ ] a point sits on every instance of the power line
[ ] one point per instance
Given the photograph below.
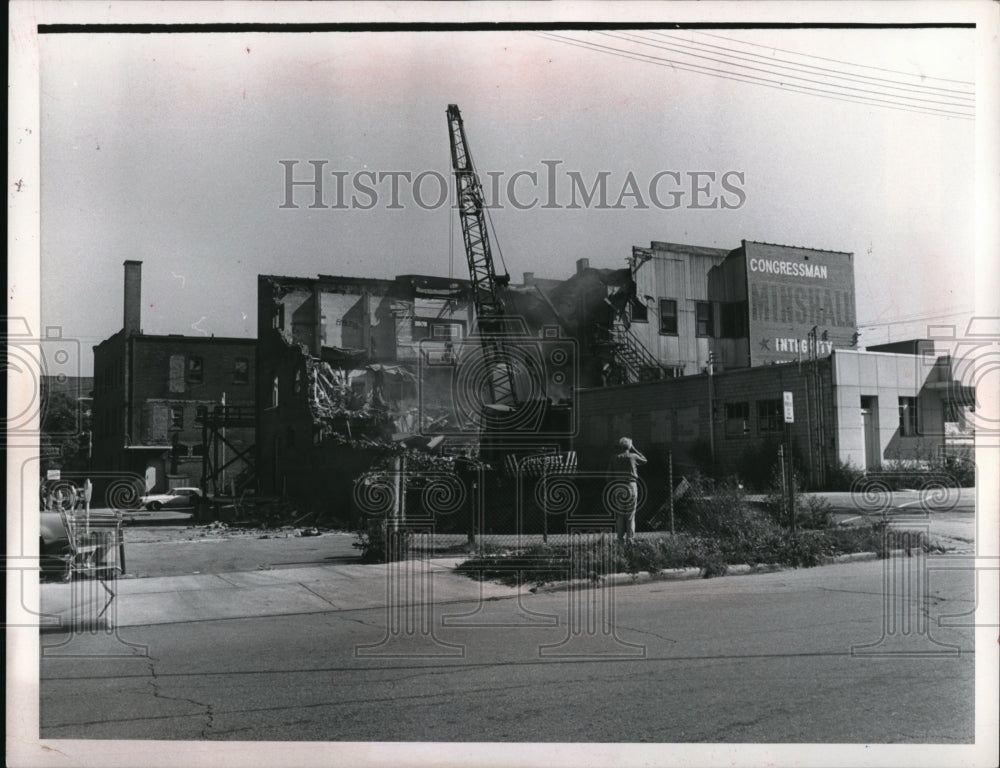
(837, 61)
(782, 63)
(751, 79)
(786, 74)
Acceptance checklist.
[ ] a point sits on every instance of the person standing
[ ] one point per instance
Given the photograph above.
(624, 468)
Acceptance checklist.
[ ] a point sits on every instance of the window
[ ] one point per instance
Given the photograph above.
(437, 330)
(770, 416)
(737, 419)
(907, 416)
(703, 319)
(668, 316)
(177, 417)
(446, 331)
(241, 371)
(640, 312)
(195, 368)
(274, 391)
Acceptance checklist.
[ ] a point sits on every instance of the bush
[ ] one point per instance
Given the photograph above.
(959, 466)
(842, 475)
(718, 510)
(758, 461)
(813, 511)
(810, 511)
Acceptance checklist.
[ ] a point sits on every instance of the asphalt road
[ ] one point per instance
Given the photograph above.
(764, 658)
(174, 551)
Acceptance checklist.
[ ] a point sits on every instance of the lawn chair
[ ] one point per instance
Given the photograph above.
(97, 549)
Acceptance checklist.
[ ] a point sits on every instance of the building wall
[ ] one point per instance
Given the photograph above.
(673, 415)
(887, 378)
(147, 390)
(110, 402)
(791, 290)
(356, 325)
(680, 273)
(759, 303)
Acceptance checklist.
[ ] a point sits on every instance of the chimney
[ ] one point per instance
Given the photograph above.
(582, 264)
(133, 296)
(529, 278)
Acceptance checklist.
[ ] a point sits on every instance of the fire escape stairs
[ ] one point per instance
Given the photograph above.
(634, 362)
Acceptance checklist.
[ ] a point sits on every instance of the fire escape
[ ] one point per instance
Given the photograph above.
(630, 362)
(215, 460)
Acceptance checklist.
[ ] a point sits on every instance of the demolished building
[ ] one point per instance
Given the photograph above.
(352, 369)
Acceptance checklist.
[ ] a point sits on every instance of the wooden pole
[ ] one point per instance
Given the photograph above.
(670, 474)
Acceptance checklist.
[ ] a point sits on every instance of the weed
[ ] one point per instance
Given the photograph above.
(380, 544)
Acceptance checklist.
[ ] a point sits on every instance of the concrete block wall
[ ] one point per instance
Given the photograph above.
(886, 377)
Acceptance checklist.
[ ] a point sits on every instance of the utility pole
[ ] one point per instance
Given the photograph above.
(711, 409)
(223, 464)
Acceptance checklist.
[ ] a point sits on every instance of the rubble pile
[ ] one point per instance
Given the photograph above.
(331, 395)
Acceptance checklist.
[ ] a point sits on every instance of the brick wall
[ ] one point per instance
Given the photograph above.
(673, 416)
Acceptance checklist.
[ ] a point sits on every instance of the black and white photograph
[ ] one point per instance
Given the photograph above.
(503, 384)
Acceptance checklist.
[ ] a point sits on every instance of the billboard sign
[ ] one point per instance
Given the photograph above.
(793, 290)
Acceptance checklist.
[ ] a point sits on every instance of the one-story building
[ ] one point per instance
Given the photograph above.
(870, 409)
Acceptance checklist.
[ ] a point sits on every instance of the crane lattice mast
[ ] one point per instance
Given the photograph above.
(486, 284)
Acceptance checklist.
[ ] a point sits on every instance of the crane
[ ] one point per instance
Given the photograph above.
(486, 283)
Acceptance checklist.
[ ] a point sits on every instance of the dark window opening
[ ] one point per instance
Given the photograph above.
(770, 416)
(241, 371)
(737, 419)
(705, 325)
(907, 416)
(195, 368)
(668, 316)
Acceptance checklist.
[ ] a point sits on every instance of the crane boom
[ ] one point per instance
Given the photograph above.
(486, 284)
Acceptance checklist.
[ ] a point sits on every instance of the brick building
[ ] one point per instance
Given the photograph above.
(148, 390)
(345, 362)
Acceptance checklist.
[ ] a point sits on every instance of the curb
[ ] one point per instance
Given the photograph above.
(687, 574)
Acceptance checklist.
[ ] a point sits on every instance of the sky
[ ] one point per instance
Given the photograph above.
(168, 148)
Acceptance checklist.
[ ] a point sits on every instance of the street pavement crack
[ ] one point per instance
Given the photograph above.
(645, 632)
(324, 599)
(157, 694)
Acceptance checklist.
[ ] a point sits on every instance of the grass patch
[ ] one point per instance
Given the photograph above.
(713, 555)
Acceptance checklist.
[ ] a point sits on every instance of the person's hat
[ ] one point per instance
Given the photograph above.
(625, 443)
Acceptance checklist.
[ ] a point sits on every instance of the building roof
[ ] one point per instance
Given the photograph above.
(694, 250)
(798, 247)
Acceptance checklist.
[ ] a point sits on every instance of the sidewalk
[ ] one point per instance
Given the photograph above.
(315, 589)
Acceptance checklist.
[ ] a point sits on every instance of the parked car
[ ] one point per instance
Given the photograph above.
(53, 542)
(178, 497)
